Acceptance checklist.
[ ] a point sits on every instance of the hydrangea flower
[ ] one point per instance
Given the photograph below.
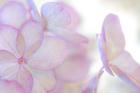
(115, 58)
(40, 52)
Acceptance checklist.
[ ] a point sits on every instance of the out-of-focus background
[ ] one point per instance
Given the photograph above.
(92, 13)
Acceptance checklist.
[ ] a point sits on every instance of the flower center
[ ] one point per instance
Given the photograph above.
(22, 60)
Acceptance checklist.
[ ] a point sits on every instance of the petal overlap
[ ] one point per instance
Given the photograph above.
(42, 42)
(127, 62)
(24, 78)
(43, 82)
(51, 53)
(10, 87)
(32, 33)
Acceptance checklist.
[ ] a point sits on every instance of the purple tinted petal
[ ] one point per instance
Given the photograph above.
(92, 84)
(113, 37)
(13, 18)
(103, 55)
(111, 41)
(58, 14)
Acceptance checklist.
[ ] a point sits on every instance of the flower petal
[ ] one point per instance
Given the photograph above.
(74, 68)
(70, 36)
(6, 56)
(111, 41)
(43, 82)
(104, 56)
(8, 39)
(9, 70)
(20, 44)
(13, 18)
(24, 2)
(8, 65)
(10, 87)
(24, 78)
(113, 36)
(52, 52)
(34, 13)
(18, 73)
(58, 14)
(92, 84)
(31, 11)
(127, 69)
(33, 35)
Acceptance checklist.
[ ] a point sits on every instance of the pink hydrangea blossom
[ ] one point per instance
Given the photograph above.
(115, 58)
(40, 53)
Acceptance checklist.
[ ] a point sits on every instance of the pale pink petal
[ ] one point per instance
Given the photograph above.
(111, 41)
(43, 82)
(58, 14)
(127, 69)
(20, 44)
(113, 36)
(32, 33)
(70, 36)
(6, 56)
(8, 39)
(74, 68)
(24, 78)
(10, 87)
(52, 52)
(92, 84)
(13, 14)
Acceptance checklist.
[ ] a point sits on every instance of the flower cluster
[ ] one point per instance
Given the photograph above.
(41, 52)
